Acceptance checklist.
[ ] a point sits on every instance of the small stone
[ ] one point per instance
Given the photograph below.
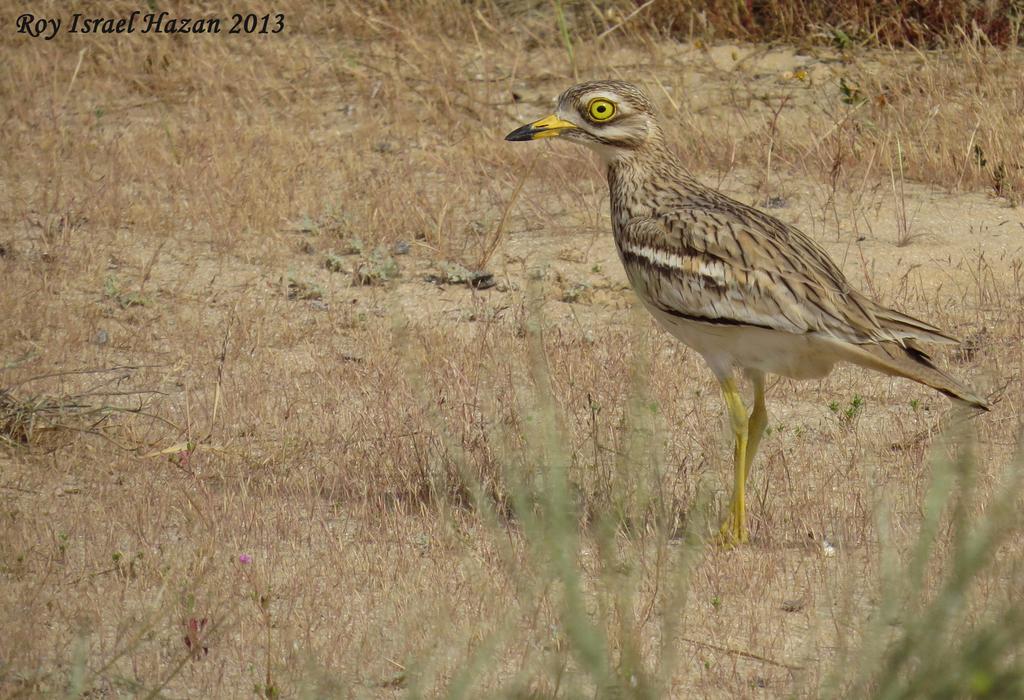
(454, 273)
(101, 337)
(793, 605)
(578, 293)
(482, 280)
(401, 248)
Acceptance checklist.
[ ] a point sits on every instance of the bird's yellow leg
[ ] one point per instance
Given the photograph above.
(734, 529)
(757, 423)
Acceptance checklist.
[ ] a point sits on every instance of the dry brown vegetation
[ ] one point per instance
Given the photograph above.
(890, 22)
(265, 428)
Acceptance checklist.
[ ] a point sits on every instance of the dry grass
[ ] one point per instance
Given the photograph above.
(890, 23)
(441, 489)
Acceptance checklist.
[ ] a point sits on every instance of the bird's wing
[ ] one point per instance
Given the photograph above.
(735, 265)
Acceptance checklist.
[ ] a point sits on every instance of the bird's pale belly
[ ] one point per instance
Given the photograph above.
(726, 346)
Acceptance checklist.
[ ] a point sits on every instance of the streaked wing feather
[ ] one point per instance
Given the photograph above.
(740, 266)
(910, 327)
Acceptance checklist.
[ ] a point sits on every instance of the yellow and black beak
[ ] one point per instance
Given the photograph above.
(541, 129)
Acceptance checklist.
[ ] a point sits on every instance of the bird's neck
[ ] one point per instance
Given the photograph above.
(639, 179)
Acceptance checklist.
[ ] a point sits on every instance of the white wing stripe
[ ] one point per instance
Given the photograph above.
(664, 258)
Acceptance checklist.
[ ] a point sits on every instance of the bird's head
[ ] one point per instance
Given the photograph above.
(612, 117)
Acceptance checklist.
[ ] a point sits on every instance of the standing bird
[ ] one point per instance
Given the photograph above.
(737, 285)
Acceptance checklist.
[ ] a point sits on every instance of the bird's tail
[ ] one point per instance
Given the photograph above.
(908, 360)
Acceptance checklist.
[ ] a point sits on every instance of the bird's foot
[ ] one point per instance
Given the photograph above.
(733, 531)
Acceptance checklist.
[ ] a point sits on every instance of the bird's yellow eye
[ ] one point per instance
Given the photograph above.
(601, 110)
